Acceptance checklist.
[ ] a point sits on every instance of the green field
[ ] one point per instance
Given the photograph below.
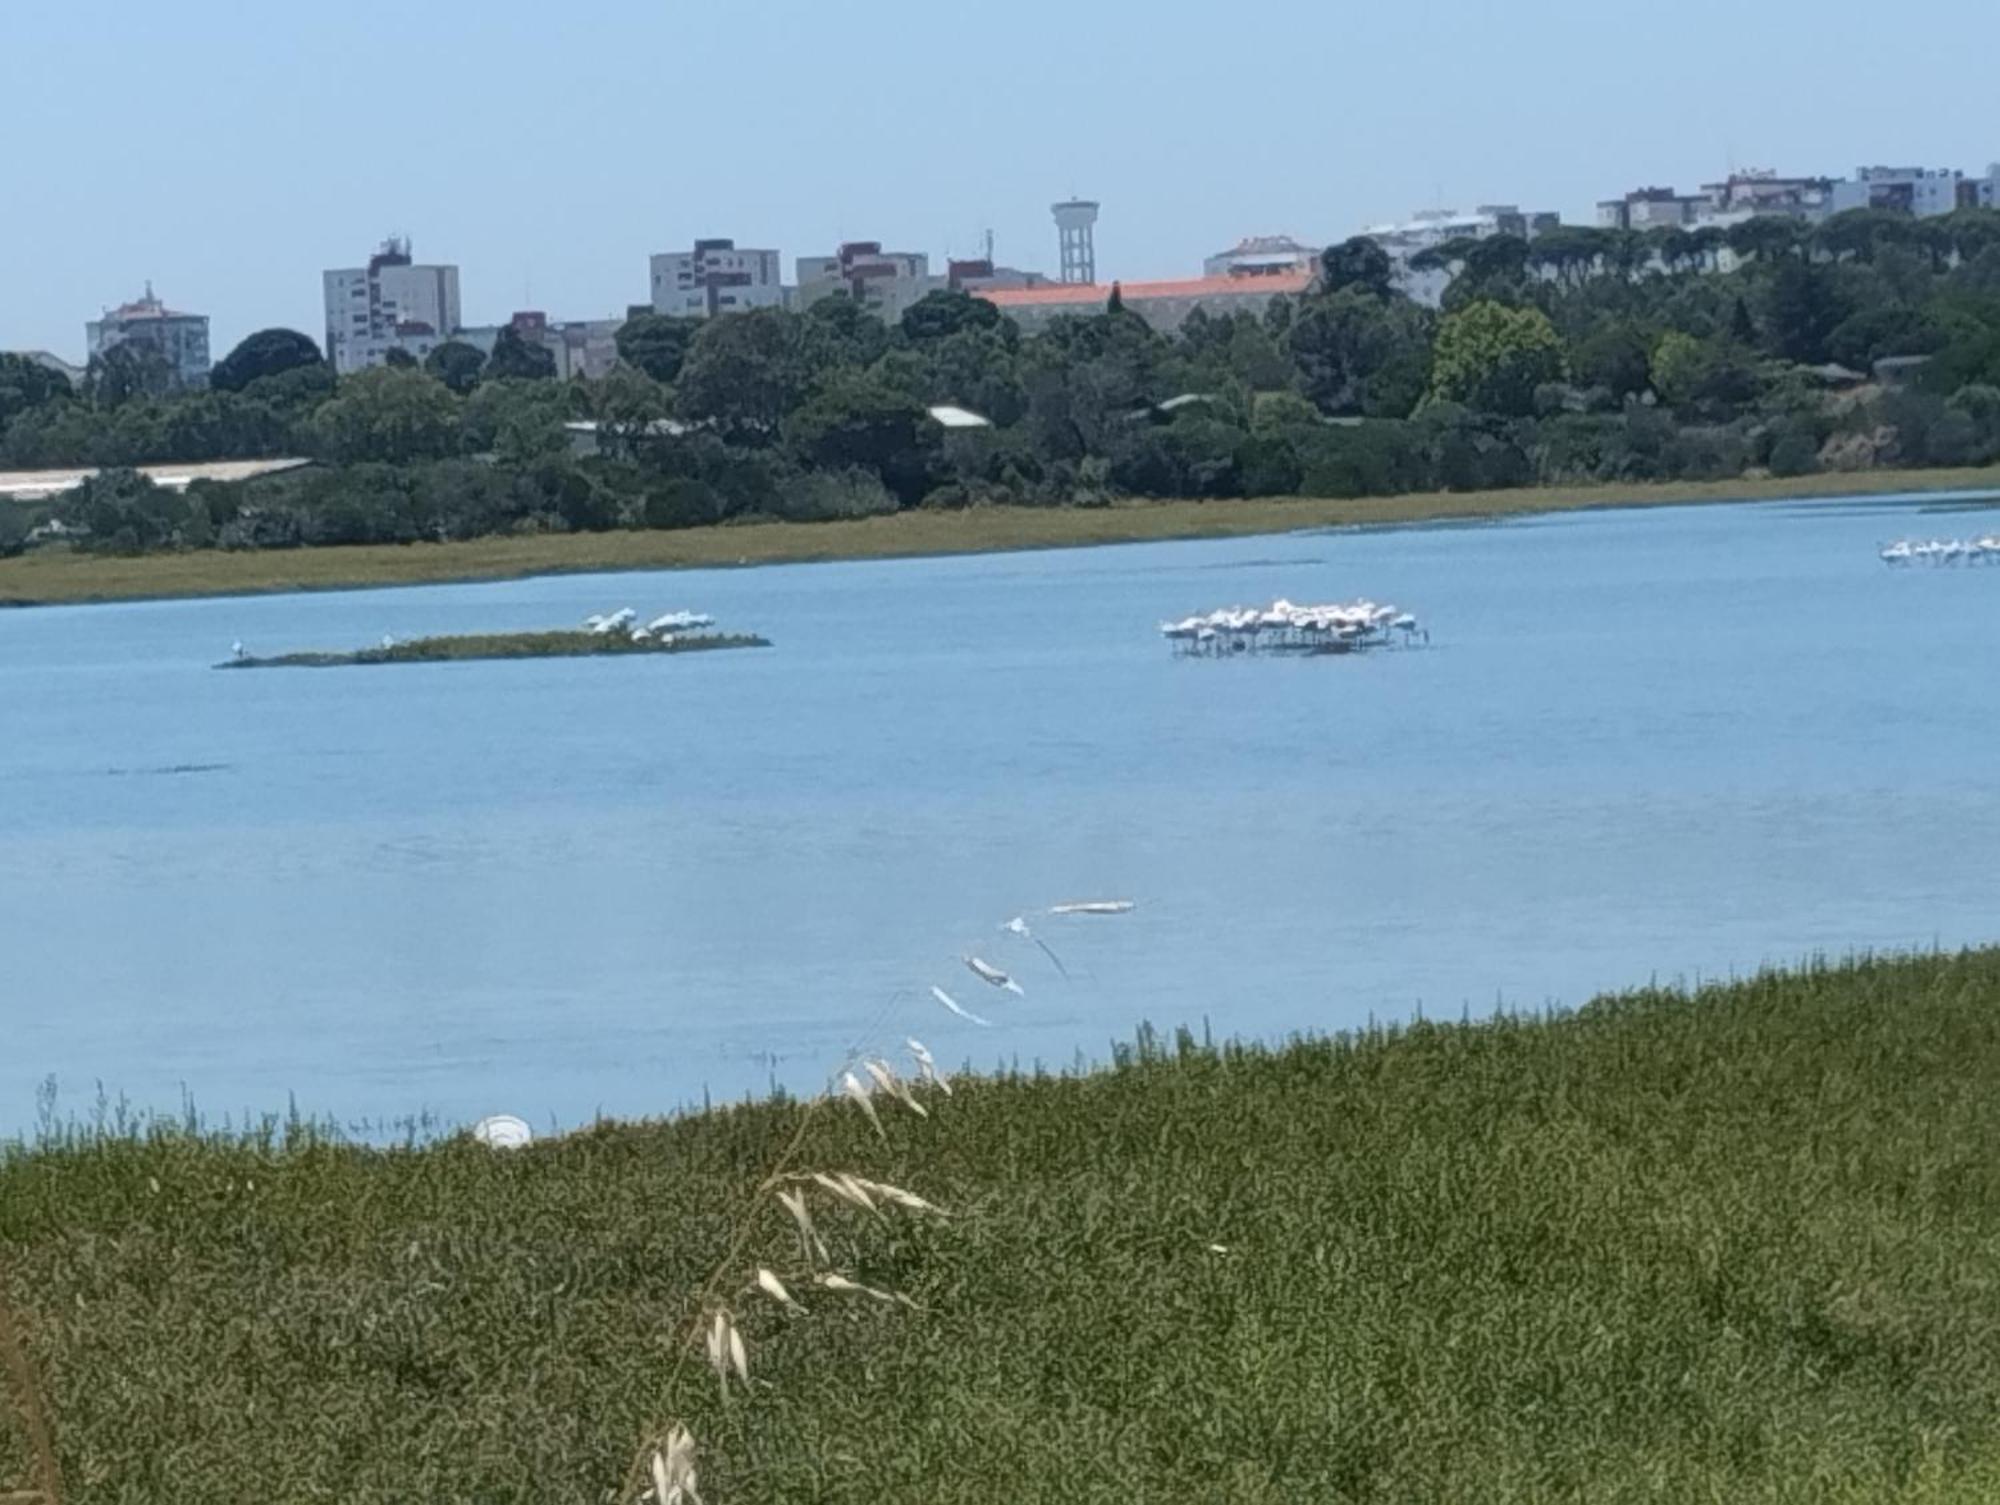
(499, 645)
(1740, 1246)
(51, 577)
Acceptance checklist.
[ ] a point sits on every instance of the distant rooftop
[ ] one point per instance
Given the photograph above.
(147, 307)
(1085, 294)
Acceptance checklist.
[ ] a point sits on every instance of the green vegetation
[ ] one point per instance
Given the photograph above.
(486, 645)
(50, 576)
(1585, 357)
(1736, 1246)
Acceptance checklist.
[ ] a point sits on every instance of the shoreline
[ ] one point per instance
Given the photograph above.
(79, 579)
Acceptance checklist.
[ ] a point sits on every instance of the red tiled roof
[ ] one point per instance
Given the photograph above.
(1138, 292)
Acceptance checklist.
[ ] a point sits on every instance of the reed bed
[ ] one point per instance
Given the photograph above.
(55, 576)
(1739, 1244)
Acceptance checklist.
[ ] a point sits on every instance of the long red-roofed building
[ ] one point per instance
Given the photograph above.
(1164, 305)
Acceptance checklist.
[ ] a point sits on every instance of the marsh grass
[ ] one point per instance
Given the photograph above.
(1739, 1245)
(52, 576)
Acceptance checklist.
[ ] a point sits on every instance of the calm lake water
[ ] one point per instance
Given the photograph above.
(1662, 743)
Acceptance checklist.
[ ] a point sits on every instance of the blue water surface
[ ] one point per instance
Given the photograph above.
(1662, 743)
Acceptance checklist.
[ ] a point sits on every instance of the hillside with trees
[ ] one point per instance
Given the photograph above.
(1583, 356)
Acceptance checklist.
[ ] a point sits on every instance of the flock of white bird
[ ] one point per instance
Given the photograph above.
(1285, 627)
(665, 626)
(1943, 551)
(1002, 980)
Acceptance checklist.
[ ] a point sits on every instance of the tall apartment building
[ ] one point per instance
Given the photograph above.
(180, 339)
(883, 282)
(716, 278)
(390, 304)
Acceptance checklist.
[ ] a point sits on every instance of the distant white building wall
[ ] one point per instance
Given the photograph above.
(180, 339)
(1921, 191)
(716, 277)
(1430, 229)
(1263, 256)
(390, 304)
(883, 282)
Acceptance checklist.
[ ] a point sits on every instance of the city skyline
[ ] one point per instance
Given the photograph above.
(562, 152)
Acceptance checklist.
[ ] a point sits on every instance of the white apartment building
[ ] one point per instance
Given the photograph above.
(390, 304)
(1431, 228)
(1914, 190)
(883, 282)
(1653, 209)
(716, 277)
(180, 339)
(1263, 256)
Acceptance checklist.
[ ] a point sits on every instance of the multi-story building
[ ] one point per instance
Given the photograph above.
(1164, 305)
(1432, 228)
(716, 277)
(181, 340)
(980, 274)
(883, 282)
(582, 347)
(1745, 195)
(1920, 191)
(1652, 209)
(390, 304)
(1263, 256)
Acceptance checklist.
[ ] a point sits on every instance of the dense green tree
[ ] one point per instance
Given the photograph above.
(942, 314)
(858, 421)
(267, 353)
(1612, 357)
(1358, 262)
(1493, 358)
(389, 416)
(1803, 305)
(838, 332)
(26, 383)
(1357, 353)
(657, 344)
(1766, 237)
(457, 364)
(516, 358)
(126, 371)
(745, 372)
(1695, 374)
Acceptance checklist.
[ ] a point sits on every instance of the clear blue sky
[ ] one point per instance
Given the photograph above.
(231, 149)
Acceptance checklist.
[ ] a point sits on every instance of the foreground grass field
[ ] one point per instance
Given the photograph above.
(1743, 1246)
(53, 578)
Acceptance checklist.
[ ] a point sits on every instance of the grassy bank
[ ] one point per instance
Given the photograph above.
(1740, 1247)
(498, 645)
(55, 577)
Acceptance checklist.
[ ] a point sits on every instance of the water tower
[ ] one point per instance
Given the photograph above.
(1076, 220)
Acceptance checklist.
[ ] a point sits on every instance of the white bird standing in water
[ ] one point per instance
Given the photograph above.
(986, 972)
(1019, 926)
(237, 651)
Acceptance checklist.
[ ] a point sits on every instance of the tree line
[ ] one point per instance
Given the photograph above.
(1581, 356)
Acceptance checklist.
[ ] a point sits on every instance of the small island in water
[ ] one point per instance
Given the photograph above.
(619, 633)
